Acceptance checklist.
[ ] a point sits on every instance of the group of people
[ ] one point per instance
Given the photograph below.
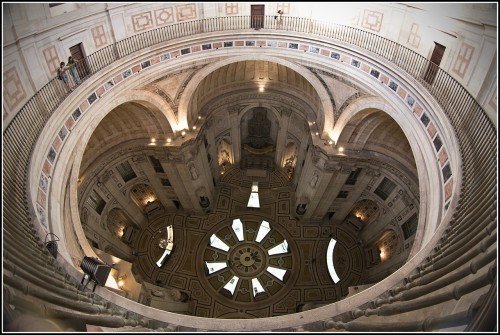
(62, 74)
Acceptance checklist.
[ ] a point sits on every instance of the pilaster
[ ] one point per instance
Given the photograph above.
(282, 134)
(126, 204)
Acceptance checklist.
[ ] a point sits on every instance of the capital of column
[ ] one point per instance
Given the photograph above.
(234, 110)
(286, 112)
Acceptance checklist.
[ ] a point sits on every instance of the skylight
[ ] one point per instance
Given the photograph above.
(231, 285)
(263, 230)
(281, 248)
(218, 243)
(215, 266)
(238, 229)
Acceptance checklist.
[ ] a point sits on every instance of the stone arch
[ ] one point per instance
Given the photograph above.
(325, 119)
(161, 105)
(428, 173)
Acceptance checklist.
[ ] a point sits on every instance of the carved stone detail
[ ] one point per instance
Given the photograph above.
(286, 112)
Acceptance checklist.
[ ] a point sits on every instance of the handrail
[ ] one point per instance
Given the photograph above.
(437, 81)
(465, 114)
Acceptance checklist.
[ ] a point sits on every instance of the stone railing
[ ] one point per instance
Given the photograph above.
(34, 281)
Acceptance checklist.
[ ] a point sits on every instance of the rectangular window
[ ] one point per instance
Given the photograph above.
(385, 188)
(353, 177)
(96, 202)
(126, 171)
(156, 164)
(410, 226)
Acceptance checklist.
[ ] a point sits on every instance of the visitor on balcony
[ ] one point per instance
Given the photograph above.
(73, 70)
(62, 74)
(279, 19)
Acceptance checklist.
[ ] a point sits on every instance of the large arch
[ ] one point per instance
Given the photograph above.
(428, 171)
(324, 117)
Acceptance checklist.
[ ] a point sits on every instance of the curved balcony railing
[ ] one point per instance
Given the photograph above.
(471, 232)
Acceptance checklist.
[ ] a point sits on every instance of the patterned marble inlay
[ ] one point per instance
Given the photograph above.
(13, 91)
(372, 20)
(306, 278)
(52, 59)
(231, 8)
(414, 37)
(186, 12)
(463, 59)
(164, 16)
(99, 36)
(142, 21)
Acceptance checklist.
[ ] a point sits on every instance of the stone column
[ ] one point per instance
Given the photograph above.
(310, 178)
(325, 193)
(179, 175)
(199, 175)
(301, 155)
(282, 135)
(146, 167)
(363, 181)
(211, 148)
(204, 184)
(234, 112)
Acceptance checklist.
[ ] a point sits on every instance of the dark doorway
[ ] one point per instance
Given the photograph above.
(433, 66)
(78, 54)
(257, 13)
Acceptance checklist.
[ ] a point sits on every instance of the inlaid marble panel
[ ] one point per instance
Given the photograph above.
(13, 90)
(372, 20)
(99, 36)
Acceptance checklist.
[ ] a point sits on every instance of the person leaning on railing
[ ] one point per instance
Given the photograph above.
(73, 70)
(62, 74)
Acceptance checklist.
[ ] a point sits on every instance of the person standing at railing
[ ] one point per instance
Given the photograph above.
(62, 74)
(73, 70)
(279, 19)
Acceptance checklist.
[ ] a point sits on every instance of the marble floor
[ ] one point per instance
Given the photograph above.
(241, 262)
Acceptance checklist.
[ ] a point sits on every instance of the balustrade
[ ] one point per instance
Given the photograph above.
(475, 132)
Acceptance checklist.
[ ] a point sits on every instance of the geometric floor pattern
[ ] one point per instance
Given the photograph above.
(307, 281)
